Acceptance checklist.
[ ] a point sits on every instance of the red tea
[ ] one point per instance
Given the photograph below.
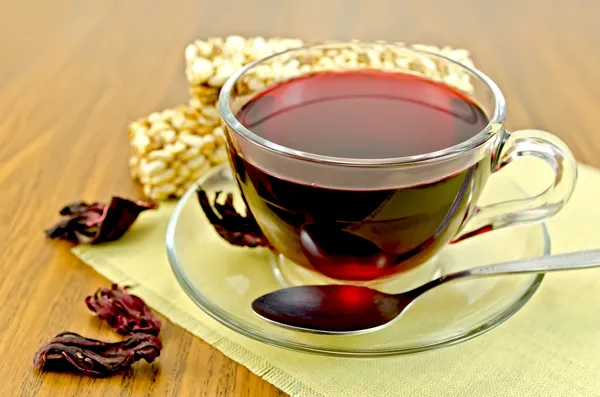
(361, 234)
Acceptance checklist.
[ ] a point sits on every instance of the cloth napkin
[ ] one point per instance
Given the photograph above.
(550, 348)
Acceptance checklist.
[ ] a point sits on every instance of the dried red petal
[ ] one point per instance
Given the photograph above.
(232, 226)
(96, 223)
(124, 312)
(71, 352)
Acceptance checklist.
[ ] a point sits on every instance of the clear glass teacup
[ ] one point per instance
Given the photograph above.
(363, 160)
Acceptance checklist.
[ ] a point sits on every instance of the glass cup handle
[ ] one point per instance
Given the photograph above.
(519, 144)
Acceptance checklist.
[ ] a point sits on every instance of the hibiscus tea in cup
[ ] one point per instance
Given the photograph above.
(359, 172)
(360, 234)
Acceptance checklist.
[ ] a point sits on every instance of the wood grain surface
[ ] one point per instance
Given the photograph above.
(73, 73)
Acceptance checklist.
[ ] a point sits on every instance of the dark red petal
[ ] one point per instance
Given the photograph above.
(72, 352)
(118, 217)
(230, 225)
(96, 223)
(124, 312)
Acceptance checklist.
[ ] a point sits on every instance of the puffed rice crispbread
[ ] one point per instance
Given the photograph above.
(172, 149)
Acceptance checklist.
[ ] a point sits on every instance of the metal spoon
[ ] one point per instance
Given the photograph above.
(348, 309)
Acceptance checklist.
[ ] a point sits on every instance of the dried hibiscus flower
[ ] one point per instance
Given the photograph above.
(232, 226)
(96, 223)
(125, 313)
(71, 352)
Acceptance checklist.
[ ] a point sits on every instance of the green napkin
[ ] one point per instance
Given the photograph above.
(550, 348)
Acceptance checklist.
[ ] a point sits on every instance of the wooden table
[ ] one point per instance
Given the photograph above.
(73, 73)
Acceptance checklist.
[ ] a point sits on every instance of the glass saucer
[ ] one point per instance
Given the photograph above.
(223, 280)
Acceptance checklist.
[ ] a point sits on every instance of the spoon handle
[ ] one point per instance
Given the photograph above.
(542, 264)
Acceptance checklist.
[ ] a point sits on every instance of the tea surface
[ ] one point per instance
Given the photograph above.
(363, 114)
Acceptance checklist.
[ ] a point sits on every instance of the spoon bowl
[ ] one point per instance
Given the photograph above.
(319, 308)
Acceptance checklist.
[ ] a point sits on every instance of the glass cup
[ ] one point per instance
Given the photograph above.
(363, 219)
